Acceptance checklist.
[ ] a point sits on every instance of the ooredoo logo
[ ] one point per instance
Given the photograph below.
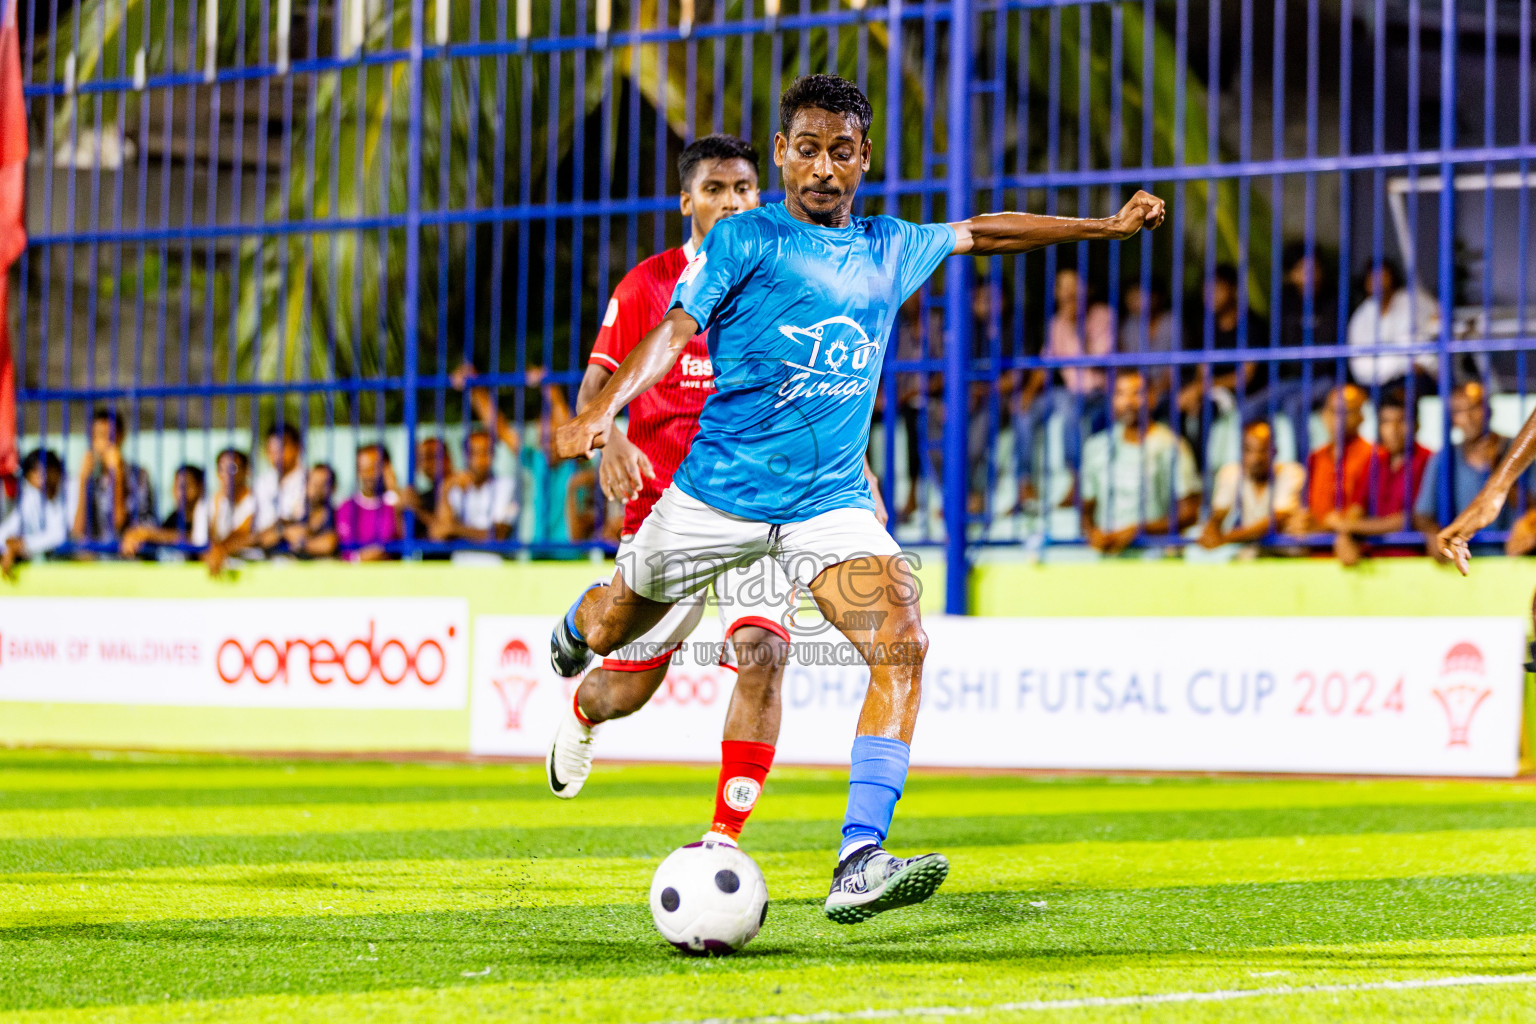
(515, 683)
(391, 660)
(1462, 690)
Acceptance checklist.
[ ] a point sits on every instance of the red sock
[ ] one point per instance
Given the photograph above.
(576, 706)
(743, 767)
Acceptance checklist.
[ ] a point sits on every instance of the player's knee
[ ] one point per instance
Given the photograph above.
(908, 641)
(604, 638)
(760, 655)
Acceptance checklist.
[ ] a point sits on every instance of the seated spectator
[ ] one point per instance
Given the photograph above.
(370, 519)
(1081, 397)
(985, 299)
(113, 494)
(1220, 387)
(434, 465)
(1394, 314)
(188, 524)
(315, 536)
(1338, 472)
(1308, 316)
(1134, 481)
(1391, 485)
(280, 489)
(1472, 462)
(1146, 327)
(39, 523)
(1264, 494)
(232, 520)
(480, 506)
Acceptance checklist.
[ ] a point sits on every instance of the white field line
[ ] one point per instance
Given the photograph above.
(1041, 1005)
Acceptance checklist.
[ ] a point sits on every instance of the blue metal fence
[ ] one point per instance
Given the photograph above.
(255, 211)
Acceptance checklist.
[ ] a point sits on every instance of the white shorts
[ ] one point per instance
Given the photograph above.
(684, 545)
(752, 595)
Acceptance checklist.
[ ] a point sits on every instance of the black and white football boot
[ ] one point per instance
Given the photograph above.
(870, 880)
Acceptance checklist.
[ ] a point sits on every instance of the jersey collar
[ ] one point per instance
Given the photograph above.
(688, 250)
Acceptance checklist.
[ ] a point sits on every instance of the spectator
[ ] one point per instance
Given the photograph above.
(479, 507)
(1472, 462)
(280, 489)
(1220, 387)
(909, 392)
(188, 524)
(369, 520)
(39, 523)
(550, 474)
(1264, 494)
(1308, 316)
(1393, 314)
(232, 521)
(434, 464)
(1135, 481)
(1081, 397)
(581, 497)
(1146, 328)
(315, 536)
(1396, 473)
(113, 493)
(1332, 491)
(985, 299)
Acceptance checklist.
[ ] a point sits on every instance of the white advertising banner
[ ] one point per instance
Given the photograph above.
(1421, 696)
(408, 653)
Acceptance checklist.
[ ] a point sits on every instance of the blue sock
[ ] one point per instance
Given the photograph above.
(875, 781)
(570, 615)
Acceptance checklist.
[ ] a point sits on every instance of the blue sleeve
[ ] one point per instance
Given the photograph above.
(728, 254)
(920, 248)
(1424, 504)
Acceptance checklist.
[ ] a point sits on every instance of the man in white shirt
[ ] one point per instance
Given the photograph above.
(232, 520)
(1264, 494)
(279, 492)
(1135, 481)
(480, 507)
(1392, 315)
(40, 521)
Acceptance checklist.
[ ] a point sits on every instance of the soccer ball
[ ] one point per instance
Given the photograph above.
(708, 899)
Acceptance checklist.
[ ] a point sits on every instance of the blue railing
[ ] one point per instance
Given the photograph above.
(254, 211)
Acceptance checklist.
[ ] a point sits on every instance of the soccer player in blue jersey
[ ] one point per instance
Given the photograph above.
(799, 299)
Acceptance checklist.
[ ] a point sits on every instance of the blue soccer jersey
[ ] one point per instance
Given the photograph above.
(798, 317)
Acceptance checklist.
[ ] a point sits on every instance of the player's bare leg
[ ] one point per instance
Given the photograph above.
(603, 619)
(873, 602)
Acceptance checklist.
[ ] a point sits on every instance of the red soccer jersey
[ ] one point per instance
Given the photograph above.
(663, 420)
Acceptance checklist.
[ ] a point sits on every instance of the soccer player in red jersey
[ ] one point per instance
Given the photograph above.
(718, 174)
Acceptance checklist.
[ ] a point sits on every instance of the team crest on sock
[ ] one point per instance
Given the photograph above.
(741, 793)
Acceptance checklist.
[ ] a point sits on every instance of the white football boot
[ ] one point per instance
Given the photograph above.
(569, 760)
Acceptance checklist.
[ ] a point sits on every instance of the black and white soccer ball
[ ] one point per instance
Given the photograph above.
(708, 899)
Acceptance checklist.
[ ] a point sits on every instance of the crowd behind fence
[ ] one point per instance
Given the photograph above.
(330, 271)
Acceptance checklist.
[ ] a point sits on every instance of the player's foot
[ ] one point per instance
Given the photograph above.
(724, 838)
(569, 760)
(870, 880)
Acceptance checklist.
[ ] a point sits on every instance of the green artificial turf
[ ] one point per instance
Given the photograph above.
(159, 888)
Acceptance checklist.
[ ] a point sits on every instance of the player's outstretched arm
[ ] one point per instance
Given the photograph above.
(1002, 234)
(645, 365)
(1455, 540)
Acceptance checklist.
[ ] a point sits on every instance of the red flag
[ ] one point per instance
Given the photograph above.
(13, 229)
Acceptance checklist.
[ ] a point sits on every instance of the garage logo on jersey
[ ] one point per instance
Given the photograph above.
(836, 343)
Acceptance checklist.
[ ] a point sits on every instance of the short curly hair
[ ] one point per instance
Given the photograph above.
(826, 92)
(713, 147)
